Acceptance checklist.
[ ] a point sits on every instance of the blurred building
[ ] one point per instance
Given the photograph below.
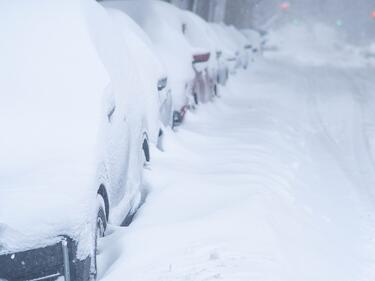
(236, 12)
(353, 17)
(239, 13)
(183, 4)
(210, 10)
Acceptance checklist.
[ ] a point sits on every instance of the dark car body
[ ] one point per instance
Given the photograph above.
(47, 263)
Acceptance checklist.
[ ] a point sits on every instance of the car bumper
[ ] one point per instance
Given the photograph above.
(53, 262)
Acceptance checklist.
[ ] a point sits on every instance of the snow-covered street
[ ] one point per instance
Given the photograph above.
(187, 140)
(271, 182)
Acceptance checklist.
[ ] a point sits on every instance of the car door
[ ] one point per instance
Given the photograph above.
(117, 147)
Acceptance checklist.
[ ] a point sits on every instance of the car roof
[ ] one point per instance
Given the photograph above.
(147, 63)
(60, 63)
(168, 41)
(199, 32)
(49, 87)
(227, 44)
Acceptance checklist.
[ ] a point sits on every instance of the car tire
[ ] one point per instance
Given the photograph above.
(100, 228)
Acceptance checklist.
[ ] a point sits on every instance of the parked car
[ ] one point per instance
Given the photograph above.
(161, 22)
(255, 40)
(74, 141)
(223, 69)
(229, 54)
(203, 84)
(221, 54)
(154, 87)
(206, 64)
(242, 44)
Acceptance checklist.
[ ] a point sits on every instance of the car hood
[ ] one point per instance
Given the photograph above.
(12, 241)
(35, 212)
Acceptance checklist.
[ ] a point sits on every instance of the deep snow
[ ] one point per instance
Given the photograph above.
(274, 181)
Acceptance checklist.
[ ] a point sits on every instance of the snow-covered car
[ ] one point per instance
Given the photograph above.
(255, 41)
(161, 22)
(206, 65)
(203, 85)
(154, 85)
(241, 43)
(221, 54)
(229, 55)
(73, 138)
(223, 69)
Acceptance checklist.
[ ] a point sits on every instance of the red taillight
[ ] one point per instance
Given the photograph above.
(201, 57)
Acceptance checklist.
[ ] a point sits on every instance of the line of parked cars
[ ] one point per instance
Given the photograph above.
(87, 89)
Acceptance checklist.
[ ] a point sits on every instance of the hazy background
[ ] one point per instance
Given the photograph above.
(353, 18)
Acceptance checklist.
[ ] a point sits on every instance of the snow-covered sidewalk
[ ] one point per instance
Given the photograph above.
(258, 185)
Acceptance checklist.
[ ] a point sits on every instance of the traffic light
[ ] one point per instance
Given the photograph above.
(285, 6)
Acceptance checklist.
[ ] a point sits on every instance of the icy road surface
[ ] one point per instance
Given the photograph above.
(274, 181)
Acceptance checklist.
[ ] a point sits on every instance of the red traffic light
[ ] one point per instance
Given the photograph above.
(373, 14)
(284, 6)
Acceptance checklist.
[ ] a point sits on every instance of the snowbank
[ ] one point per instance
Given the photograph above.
(257, 191)
(271, 182)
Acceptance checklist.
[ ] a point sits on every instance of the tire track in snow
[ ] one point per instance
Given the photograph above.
(360, 166)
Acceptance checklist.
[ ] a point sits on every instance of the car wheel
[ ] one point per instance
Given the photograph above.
(100, 227)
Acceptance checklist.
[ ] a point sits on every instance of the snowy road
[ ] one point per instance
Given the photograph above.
(274, 181)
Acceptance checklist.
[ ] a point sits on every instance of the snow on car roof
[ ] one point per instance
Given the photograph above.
(42, 92)
(156, 18)
(201, 35)
(60, 61)
(146, 63)
(198, 32)
(228, 46)
(176, 19)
